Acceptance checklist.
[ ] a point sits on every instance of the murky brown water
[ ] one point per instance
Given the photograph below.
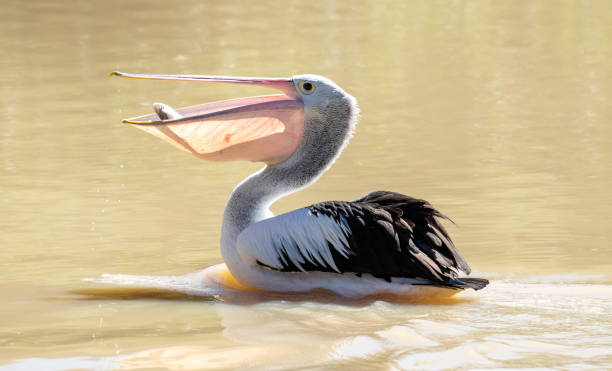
(499, 113)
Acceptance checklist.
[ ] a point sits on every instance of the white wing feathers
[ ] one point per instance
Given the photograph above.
(298, 238)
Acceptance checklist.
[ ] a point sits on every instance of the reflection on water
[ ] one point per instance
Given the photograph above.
(512, 324)
(408, 337)
(497, 112)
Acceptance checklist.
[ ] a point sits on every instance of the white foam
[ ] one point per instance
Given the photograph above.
(191, 283)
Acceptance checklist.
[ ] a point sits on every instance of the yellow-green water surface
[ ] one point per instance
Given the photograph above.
(497, 112)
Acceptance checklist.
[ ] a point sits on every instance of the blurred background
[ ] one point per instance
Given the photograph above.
(498, 113)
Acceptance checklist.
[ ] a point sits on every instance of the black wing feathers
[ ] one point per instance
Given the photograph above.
(391, 235)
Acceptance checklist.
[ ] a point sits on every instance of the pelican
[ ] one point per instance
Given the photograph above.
(382, 243)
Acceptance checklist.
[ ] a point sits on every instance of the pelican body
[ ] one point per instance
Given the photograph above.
(384, 242)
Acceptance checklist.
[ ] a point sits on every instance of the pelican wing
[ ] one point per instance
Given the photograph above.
(384, 234)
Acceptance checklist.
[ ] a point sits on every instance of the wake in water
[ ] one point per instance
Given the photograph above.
(217, 283)
(544, 320)
(210, 283)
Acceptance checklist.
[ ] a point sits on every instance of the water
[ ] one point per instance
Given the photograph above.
(496, 112)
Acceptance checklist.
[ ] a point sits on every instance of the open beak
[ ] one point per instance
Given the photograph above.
(266, 128)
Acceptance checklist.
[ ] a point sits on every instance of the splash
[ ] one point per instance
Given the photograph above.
(217, 283)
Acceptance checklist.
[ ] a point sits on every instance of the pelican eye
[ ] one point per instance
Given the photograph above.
(306, 87)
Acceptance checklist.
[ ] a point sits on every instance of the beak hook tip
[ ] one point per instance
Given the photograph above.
(143, 123)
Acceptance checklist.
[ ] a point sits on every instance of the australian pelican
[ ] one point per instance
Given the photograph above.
(384, 242)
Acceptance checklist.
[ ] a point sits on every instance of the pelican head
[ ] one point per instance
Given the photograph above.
(312, 120)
